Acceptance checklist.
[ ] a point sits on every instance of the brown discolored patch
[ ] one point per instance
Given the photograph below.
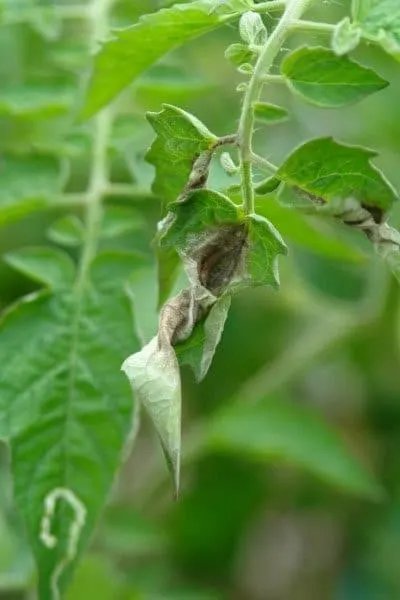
(220, 258)
(376, 213)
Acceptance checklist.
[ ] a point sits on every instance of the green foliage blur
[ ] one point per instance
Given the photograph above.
(245, 527)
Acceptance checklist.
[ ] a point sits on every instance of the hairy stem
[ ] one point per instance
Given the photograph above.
(263, 163)
(273, 79)
(312, 26)
(270, 6)
(293, 12)
(98, 178)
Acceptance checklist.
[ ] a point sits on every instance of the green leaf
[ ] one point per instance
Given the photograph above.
(277, 430)
(327, 80)
(379, 21)
(346, 37)
(198, 351)
(35, 100)
(268, 185)
(266, 244)
(135, 49)
(330, 170)
(269, 113)
(180, 139)
(43, 19)
(52, 268)
(65, 407)
(67, 231)
(168, 267)
(119, 221)
(203, 209)
(239, 54)
(252, 29)
(27, 184)
(228, 164)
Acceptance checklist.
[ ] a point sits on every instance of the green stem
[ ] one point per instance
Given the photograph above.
(98, 178)
(312, 26)
(293, 12)
(273, 79)
(262, 163)
(271, 6)
(247, 186)
(78, 11)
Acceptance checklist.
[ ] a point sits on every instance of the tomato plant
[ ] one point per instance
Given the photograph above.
(67, 412)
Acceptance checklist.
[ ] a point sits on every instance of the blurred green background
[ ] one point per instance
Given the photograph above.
(330, 338)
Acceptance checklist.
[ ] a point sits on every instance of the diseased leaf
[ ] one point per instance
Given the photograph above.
(154, 375)
(181, 138)
(67, 231)
(269, 113)
(198, 350)
(330, 170)
(133, 50)
(327, 80)
(203, 209)
(265, 245)
(346, 37)
(379, 21)
(277, 430)
(296, 228)
(27, 184)
(64, 406)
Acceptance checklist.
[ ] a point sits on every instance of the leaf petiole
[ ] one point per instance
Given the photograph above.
(312, 26)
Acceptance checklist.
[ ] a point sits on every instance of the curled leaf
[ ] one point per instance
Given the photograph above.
(154, 375)
(198, 351)
(202, 210)
(379, 21)
(181, 137)
(220, 259)
(346, 37)
(265, 245)
(154, 371)
(238, 54)
(252, 29)
(329, 169)
(227, 164)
